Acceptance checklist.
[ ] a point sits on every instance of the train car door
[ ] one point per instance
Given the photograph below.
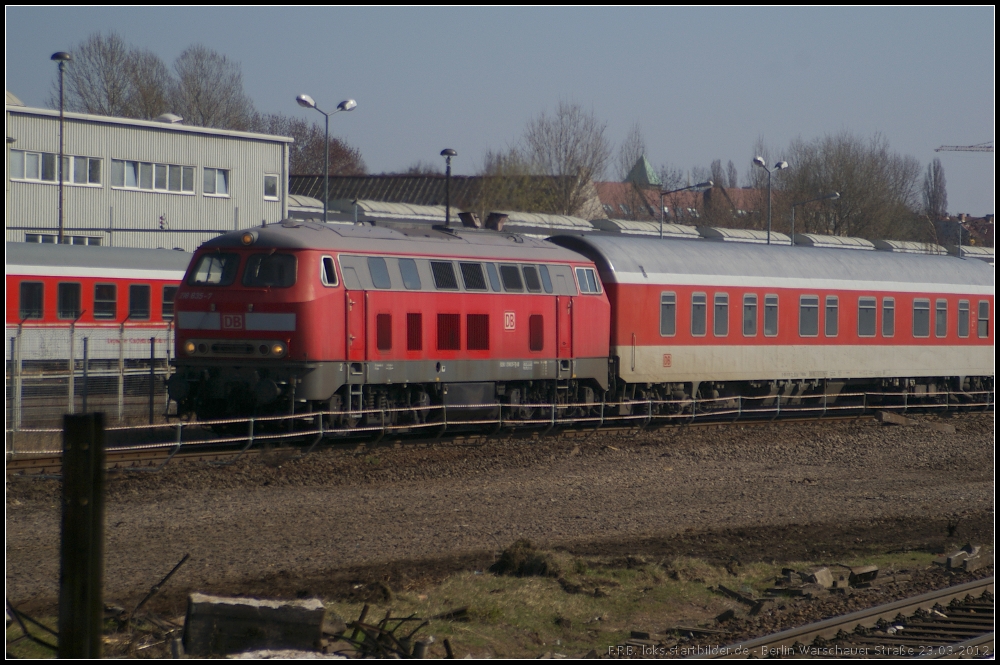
(355, 318)
(564, 326)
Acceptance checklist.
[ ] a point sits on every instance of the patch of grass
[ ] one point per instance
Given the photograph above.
(25, 648)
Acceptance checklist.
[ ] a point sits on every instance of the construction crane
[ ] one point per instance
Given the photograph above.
(979, 147)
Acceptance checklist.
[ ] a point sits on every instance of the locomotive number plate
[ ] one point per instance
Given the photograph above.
(508, 320)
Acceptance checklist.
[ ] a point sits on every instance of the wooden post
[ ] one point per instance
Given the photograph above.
(81, 570)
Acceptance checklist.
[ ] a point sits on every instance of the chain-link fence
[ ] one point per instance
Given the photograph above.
(120, 371)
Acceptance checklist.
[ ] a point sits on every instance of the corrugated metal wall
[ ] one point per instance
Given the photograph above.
(133, 218)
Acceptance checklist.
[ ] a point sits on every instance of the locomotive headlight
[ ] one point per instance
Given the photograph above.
(248, 238)
(278, 349)
(190, 348)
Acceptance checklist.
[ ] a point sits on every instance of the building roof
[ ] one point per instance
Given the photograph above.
(423, 190)
(643, 174)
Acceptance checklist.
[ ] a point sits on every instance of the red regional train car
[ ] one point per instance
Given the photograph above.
(304, 316)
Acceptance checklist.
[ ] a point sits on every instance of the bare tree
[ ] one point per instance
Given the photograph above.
(306, 155)
(420, 167)
(733, 176)
(98, 78)
(571, 146)
(717, 175)
(150, 85)
(510, 183)
(935, 191)
(209, 90)
(631, 151)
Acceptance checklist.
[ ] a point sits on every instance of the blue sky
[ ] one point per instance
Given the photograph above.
(703, 84)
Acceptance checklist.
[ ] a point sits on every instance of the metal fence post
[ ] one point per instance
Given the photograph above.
(152, 376)
(86, 361)
(72, 369)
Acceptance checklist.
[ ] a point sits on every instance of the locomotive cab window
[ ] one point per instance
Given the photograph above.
(531, 279)
(270, 271)
(138, 301)
(32, 300)
(941, 318)
(379, 272)
(888, 317)
(921, 317)
(668, 314)
(963, 318)
(983, 322)
(472, 276)
(411, 278)
(167, 309)
(105, 301)
(444, 275)
(328, 271)
(808, 316)
(867, 315)
(68, 300)
(214, 270)
(750, 315)
(720, 320)
(770, 315)
(588, 280)
(511, 278)
(699, 303)
(831, 322)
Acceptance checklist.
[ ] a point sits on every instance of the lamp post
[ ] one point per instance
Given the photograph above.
(707, 183)
(305, 101)
(759, 161)
(447, 153)
(835, 195)
(62, 58)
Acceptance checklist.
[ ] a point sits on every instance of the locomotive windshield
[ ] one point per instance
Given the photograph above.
(214, 270)
(270, 270)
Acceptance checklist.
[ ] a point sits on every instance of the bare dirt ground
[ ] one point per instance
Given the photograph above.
(278, 525)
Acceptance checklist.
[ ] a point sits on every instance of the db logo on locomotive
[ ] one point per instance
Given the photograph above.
(232, 322)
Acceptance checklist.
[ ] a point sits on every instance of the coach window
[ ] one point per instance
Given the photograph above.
(491, 270)
(511, 277)
(68, 300)
(770, 315)
(750, 315)
(720, 321)
(941, 318)
(444, 275)
(32, 300)
(921, 317)
(138, 301)
(808, 316)
(531, 279)
(383, 332)
(963, 318)
(411, 278)
(867, 314)
(536, 332)
(888, 317)
(379, 272)
(328, 271)
(546, 280)
(668, 314)
(983, 327)
(472, 275)
(699, 304)
(832, 322)
(169, 295)
(588, 280)
(105, 301)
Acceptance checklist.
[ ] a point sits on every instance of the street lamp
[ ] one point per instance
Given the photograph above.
(835, 195)
(447, 153)
(759, 161)
(62, 58)
(707, 183)
(305, 101)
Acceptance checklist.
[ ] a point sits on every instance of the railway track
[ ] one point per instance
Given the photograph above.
(956, 622)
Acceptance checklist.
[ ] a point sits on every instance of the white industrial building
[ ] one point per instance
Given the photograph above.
(138, 183)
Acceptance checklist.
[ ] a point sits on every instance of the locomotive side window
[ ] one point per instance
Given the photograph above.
(215, 270)
(68, 300)
(536, 332)
(531, 279)
(720, 321)
(105, 301)
(750, 315)
(444, 275)
(866, 317)
(588, 281)
(941, 318)
(770, 315)
(138, 301)
(328, 271)
(808, 316)
(511, 277)
(414, 332)
(32, 300)
(963, 318)
(832, 322)
(472, 275)
(270, 270)
(668, 314)
(546, 280)
(699, 303)
(449, 332)
(379, 272)
(491, 270)
(383, 332)
(921, 317)
(477, 332)
(888, 317)
(169, 295)
(983, 327)
(411, 278)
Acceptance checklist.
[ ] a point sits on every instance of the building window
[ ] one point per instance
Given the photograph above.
(536, 332)
(271, 187)
(68, 301)
(720, 320)
(668, 314)
(921, 317)
(138, 301)
(148, 176)
(770, 315)
(41, 166)
(449, 332)
(808, 316)
(983, 324)
(216, 182)
(472, 275)
(750, 315)
(963, 318)
(414, 332)
(383, 332)
(832, 316)
(51, 238)
(941, 318)
(888, 317)
(444, 275)
(32, 300)
(105, 301)
(477, 332)
(699, 303)
(169, 295)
